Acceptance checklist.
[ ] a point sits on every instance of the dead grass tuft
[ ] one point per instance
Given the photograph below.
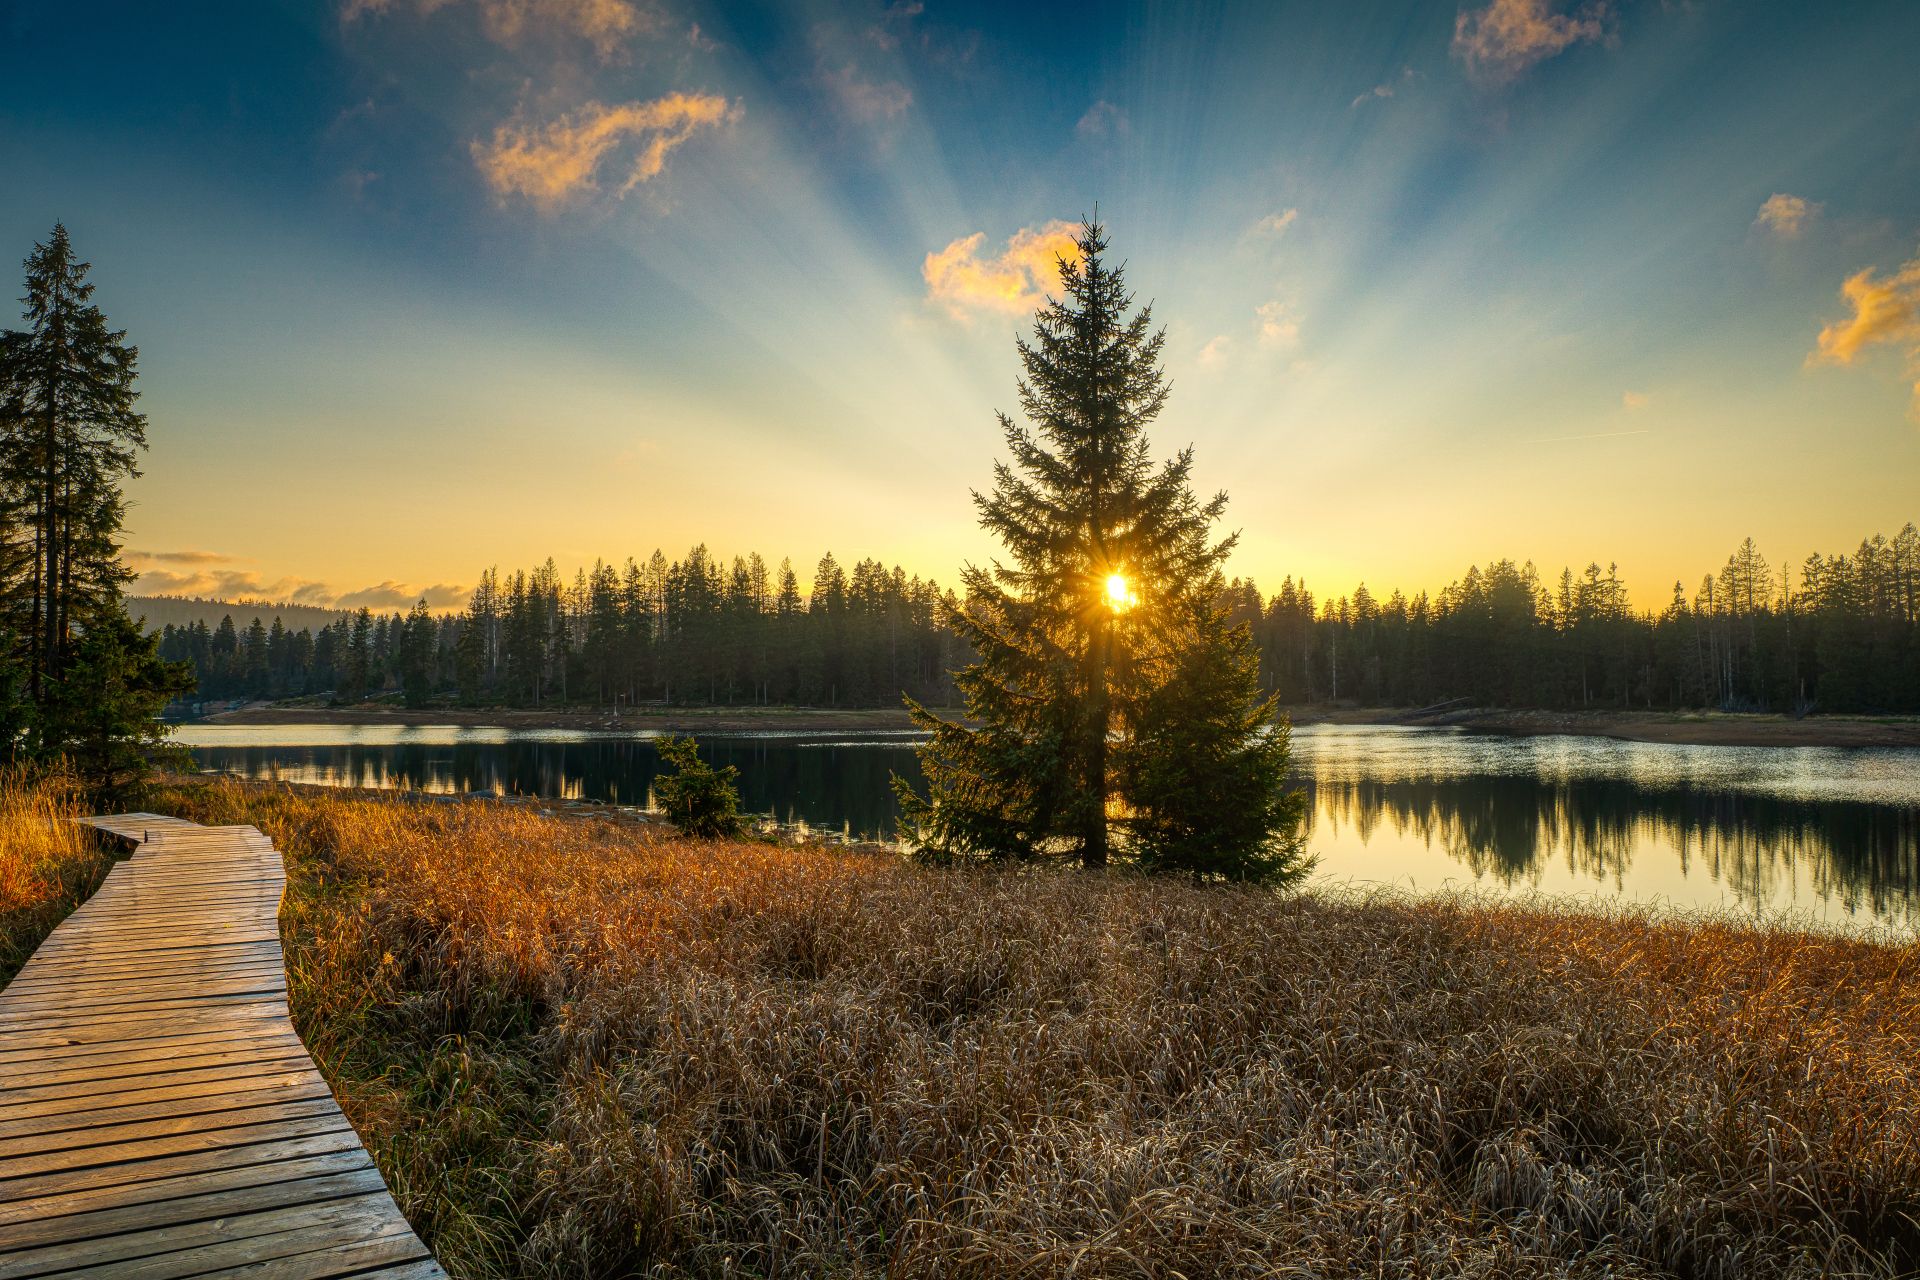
(582, 1048)
(48, 865)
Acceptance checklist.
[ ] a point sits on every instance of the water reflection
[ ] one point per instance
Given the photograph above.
(826, 783)
(1828, 836)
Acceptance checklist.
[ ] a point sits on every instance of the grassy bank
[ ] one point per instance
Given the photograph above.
(587, 1049)
(48, 865)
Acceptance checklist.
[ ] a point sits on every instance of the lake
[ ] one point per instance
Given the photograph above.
(1825, 836)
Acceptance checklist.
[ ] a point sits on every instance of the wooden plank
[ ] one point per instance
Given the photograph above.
(234, 1130)
(117, 1067)
(272, 1150)
(159, 1116)
(123, 1087)
(159, 1045)
(80, 1215)
(392, 1257)
(233, 1239)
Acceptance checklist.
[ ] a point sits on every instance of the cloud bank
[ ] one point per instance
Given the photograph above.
(214, 575)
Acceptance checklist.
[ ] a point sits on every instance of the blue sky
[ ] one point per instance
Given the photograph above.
(426, 285)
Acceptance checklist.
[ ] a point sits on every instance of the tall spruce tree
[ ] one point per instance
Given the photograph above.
(73, 437)
(1105, 667)
(77, 680)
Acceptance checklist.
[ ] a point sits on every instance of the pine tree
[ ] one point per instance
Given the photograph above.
(357, 678)
(103, 719)
(78, 680)
(419, 641)
(72, 437)
(1204, 778)
(1108, 603)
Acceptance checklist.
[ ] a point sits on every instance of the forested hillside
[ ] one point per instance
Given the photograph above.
(156, 613)
(1834, 633)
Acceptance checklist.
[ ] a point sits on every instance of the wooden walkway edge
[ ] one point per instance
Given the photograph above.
(159, 1115)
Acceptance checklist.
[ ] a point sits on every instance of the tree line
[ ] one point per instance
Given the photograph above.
(1837, 633)
(693, 630)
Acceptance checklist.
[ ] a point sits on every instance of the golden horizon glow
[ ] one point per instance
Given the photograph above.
(1513, 281)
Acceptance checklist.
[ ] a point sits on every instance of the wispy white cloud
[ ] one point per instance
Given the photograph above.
(1277, 324)
(895, 21)
(1374, 94)
(1634, 401)
(1215, 353)
(1276, 224)
(1499, 43)
(1101, 121)
(552, 163)
(1016, 279)
(861, 99)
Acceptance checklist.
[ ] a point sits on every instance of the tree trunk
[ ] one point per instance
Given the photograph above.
(1093, 843)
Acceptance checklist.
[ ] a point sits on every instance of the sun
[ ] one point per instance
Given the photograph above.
(1119, 592)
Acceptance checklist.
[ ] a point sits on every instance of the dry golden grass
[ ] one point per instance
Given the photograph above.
(48, 865)
(588, 1049)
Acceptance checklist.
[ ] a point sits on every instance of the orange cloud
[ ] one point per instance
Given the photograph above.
(241, 584)
(398, 595)
(1786, 216)
(1501, 41)
(605, 24)
(1886, 312)
(548, 164)
(1017, 280)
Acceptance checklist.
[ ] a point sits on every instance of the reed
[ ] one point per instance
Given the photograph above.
(48, 864)
(585, 1048)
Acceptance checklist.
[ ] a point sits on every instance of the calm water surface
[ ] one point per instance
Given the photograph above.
(1822, 835)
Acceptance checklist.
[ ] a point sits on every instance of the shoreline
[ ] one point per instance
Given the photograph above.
(1670, 728)
(1701, 728)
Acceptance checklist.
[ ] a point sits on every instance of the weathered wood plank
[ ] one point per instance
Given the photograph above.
(271, 1146)
(159, 1116)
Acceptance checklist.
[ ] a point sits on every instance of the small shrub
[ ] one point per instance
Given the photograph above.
(701, 800)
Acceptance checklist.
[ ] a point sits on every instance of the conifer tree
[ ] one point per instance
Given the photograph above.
(72, 436)
(78, 680)
(419, 649)
(1089, 636)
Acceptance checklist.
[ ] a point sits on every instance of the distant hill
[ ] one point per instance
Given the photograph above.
(180, 611)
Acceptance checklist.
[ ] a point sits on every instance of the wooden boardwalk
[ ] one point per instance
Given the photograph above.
(159, 1116)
